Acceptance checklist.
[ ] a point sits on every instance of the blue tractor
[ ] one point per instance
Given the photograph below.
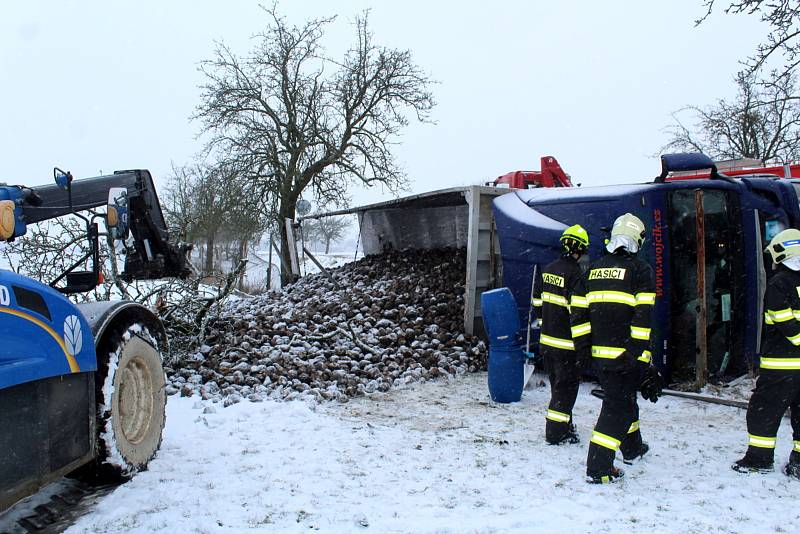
(82, 385)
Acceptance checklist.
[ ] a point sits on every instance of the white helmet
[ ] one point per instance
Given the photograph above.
(785, 245)
(628, 232)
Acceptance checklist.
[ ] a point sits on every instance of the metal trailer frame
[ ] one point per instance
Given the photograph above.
(459, 217)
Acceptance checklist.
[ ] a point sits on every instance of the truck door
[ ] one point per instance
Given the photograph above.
(724, 276)
(774, 207)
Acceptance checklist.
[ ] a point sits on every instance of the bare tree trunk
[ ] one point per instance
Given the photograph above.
(269, 263)
(242, 256)
(287, 277)
(209, 254)
(327, 244)
(287, 211)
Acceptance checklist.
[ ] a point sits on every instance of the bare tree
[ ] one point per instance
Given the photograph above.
(292, 118)
(783, 39)
(203, 201)
(761, 122)
(179, 202)
(311, 232)
(244, 223)
(326, 230)
(212, 203)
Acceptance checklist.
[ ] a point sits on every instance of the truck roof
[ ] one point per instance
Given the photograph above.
(603, 193)
(585, 194)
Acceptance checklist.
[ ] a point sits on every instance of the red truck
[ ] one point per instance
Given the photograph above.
(551, 175)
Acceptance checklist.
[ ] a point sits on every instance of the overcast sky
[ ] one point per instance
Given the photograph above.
(96, 86)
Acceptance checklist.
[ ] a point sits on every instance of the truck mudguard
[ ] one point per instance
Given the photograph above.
(104, 316)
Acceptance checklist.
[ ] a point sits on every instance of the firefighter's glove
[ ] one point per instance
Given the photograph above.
(652, 384)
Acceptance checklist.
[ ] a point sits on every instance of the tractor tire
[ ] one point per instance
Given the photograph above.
(131, 403)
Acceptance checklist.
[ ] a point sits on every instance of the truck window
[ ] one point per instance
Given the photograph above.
(771, 225)
(722, 264)
(771, 228)
(31, 300)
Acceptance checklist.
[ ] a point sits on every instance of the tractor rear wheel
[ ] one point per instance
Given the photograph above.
(131, 403)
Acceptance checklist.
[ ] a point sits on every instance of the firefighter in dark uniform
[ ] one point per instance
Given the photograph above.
(611, 315)
(778, 384)
(551, 296)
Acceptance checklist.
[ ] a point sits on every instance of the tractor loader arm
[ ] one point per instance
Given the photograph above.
(152, 255)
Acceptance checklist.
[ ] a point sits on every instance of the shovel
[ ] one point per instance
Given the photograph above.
(529, 368)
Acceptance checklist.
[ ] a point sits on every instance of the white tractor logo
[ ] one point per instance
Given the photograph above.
(73, 336)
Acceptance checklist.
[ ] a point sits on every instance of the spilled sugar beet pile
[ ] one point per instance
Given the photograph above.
(394, 318)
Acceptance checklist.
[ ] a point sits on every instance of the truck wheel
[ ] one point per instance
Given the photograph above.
(131, 403)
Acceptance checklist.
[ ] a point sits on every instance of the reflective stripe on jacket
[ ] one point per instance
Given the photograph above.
(616, 298)
(780, 344)
(552, 292)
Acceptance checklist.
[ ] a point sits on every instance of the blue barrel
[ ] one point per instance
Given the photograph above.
(506, 359)
(500, 317)
(506, 370)
(506, 373)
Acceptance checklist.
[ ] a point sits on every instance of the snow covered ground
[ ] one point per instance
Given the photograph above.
(441, 457)
(329, 261)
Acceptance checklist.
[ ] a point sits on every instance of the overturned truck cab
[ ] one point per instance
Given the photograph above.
(705, 242)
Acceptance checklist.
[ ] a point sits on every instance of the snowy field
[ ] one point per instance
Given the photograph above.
(441, 457)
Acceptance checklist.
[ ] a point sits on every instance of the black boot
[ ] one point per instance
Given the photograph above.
(570, 436)
(604, 478)
(751, 465)
(638, 456)
(792, 469)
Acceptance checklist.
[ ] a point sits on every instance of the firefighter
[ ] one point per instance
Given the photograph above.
(611, 315)
(552, 293)
(778, 384)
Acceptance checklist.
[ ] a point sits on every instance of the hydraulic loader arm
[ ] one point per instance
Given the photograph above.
(153, 256)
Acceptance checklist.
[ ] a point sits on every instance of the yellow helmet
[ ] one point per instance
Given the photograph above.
(784, 245)
(575, 240)
(631, 226)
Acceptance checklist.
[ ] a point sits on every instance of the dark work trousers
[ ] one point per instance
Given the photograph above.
(564, 373)
(776, 390)
(618, 424)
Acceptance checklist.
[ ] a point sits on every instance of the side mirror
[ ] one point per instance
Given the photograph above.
(62, 178)
(117, 213)
(303, 207)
